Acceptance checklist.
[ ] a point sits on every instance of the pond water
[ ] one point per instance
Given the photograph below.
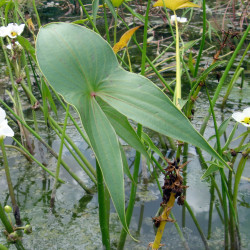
(74, 222)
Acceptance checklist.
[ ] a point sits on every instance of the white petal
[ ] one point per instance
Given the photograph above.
(238, 116)
(9, 46)
(2, 115)
(10, 26)
(245, 124)
(5, 129)
(183, 20)
(246, 112)
(20, 29)
(172, 18)
(3, 32)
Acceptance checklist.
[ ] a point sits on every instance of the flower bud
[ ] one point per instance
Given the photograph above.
(27, 229)
(12, 237)
(8, 209)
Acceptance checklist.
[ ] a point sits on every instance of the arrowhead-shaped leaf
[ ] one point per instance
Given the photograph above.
(82, 67)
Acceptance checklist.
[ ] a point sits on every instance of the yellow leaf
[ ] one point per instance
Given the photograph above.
(175, 4)
(30, 24)
(117, 3)
(124, 39)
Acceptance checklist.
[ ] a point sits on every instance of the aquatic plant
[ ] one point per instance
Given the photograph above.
(74, 66)
(99, 89)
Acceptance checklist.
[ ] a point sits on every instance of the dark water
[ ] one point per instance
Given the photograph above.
(74, 223)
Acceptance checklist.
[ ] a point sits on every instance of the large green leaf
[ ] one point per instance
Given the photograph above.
(82, 67)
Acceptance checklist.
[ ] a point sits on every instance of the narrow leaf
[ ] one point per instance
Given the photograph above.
(95, 6)
(27, 46)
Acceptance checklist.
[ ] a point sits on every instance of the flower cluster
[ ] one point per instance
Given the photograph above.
(12, 30)
(5, 130)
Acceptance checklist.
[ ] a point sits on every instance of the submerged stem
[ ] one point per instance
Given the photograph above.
(9, 182)
(104, 207)
(52, 200)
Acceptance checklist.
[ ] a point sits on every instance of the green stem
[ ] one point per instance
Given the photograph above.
(52, 200)
(106, 22)
(184, 174)
(16, 99)
(30, 88)
(115, 26)
(238, 71)
(89, 17)
(197, 225)
(72, 119)
(150, 63)
(129, 62)
(224, 207)
(203, 37)
(238, 174)
(104, 207)
(144, 48)
(232, 225)
(35, 160)
(215, 124)
(132, 197)
(211, 206)
(185, 244)
(81, 164)
(89, 168)
(67, 168)
(21, 151)
(130, 208)
(223, 78)
(186, 71)
(9, 182)
(37, 15)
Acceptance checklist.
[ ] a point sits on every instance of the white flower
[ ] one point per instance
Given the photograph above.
(179, 19)
(9, 46)
(5, 130)
(243, 117)
(12, 30)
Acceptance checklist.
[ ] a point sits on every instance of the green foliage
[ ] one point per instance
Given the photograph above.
(82, 68)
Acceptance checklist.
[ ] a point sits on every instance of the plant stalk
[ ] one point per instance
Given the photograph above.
(164, 216)
(53, 195)
(177, 93)
(16, 211)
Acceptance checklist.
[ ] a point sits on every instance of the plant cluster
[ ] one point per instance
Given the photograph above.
(73, 66)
